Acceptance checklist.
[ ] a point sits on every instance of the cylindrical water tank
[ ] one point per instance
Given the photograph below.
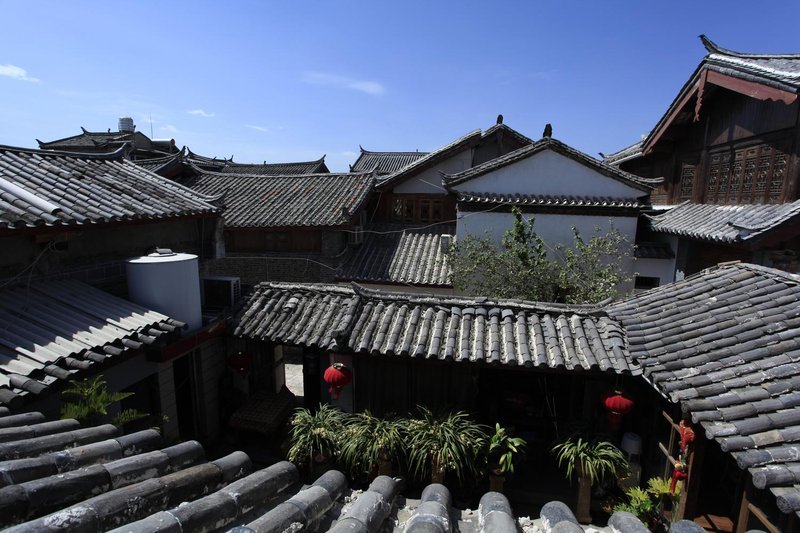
(167, 282)
(126, 124)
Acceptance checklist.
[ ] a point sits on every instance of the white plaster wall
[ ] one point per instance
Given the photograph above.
(430, 181)
(549, 173)
(663, 269)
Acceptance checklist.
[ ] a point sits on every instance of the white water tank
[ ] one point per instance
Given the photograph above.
(167, 282)
(126, 124)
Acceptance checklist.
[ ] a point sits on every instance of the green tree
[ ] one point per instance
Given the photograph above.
(587, 272)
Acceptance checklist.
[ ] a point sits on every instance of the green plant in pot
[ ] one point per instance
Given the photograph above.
(591, 460)
(442, 444)
(371, 441)
(504, 450)
(649, 504)
(315, 437)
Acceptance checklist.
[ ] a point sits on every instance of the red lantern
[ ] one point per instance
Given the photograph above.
(337, 376)
(617, 403)
(241, 361)
(687, 436)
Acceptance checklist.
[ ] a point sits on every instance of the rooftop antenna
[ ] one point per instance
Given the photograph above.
(151, 125)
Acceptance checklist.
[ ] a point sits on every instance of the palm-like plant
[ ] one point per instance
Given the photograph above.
(370, 440)
(592, 460)
(316, 435)
(447, 443)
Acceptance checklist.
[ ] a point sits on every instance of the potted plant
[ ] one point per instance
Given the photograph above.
(649, 504)
(449, 443)
(316, 437)
(592, 461)
(372, 441)
(503, 451)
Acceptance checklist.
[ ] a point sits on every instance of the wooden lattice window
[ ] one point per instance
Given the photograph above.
(755, 176)
(779, 160)
(687, 181)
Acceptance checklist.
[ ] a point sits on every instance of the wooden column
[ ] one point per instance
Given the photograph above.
(701, 170)
(687, 505)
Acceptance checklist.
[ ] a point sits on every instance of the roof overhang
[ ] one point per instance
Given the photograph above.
(695, 88)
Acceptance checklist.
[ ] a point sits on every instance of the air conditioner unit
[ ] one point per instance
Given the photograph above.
(220, 291)
(356, 235)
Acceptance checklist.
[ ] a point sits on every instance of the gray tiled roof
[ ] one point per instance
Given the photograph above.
(384, 162)
(396, 255)
(159, 165)
(286, 201)
(277, 169)
(724, 223)
(435, 327)
(627, 153)
(431, 158)
(546, 201)
(725, 343)
(40, 187)
(548, 143)
(89, 140)
(781, 68)
(228, 166)
(53, 330)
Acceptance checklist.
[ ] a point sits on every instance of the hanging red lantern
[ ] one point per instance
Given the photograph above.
(618, 404)
(241, 362)
(337, 376)
(687, 436)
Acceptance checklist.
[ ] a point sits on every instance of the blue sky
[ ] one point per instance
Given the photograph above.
(294, 80)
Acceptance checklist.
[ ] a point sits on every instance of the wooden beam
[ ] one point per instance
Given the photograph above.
(687, 505)
(752, 89)
(744, 511)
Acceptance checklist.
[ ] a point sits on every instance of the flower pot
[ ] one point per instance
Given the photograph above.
(496, 481)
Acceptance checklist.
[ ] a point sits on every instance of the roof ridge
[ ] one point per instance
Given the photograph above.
(265, 164)
(271, 176)
(389, 152)
(440, 299)
(116, 154)
(714, 48)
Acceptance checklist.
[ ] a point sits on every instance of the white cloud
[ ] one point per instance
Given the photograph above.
(200, 113)
(169, 128)
(18, 73)
(262, 129)
(343, 82)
